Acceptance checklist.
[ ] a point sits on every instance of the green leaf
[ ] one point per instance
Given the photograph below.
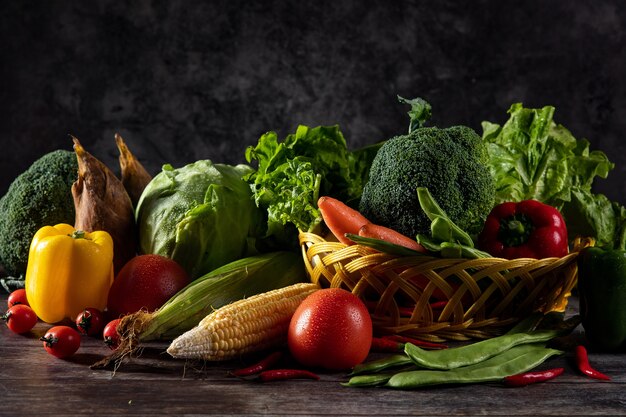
(420, 112)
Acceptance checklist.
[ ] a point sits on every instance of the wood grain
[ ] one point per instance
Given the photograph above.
(33, 383)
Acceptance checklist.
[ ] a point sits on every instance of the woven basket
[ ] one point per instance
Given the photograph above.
(441, 299)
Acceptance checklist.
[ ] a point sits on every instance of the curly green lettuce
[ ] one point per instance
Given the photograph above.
(307, 164)
(532, 157)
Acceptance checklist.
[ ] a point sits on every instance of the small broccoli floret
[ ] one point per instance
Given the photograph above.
(450, 162)
(39, 196)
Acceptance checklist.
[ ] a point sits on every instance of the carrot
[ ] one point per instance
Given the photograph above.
(377, 231)
(340, 218)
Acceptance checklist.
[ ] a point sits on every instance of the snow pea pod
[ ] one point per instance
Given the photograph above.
(477, 352)
(510, 362)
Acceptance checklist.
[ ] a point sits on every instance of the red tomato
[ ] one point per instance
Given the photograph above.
(145, 282)
(90, 322)
(110, 335)
(20, 318)
(17, 297)
(331, 329)
(61, 341)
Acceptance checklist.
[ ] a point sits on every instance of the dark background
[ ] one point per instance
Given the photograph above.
(182, 81)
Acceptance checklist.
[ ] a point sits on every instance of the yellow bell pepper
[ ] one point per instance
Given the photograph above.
(68, 270)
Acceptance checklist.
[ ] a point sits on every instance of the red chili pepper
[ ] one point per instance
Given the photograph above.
(416, 342)
(438, 305)
(527, 378)
(582, 362)
(405, 311)
(528, 229)
(381, 344)
(260, 366)
(283, 374)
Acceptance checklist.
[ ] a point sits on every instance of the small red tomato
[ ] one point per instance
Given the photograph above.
(20, 318)
(17, 297)
(145, 282)
(330, 329)
(90, 322)
(61, 341)
(110, 334)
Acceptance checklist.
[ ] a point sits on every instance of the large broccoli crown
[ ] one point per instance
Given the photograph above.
(450, 162)
(39, 196)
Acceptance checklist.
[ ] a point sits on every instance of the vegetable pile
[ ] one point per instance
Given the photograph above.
(206, 257)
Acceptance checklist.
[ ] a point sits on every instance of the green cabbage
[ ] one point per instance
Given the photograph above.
(201, 215)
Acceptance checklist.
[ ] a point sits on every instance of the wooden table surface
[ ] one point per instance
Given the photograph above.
(33, 383)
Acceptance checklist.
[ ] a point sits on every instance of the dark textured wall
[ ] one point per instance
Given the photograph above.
(190, 80)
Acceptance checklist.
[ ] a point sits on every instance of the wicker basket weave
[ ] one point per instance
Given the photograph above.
(483, 297)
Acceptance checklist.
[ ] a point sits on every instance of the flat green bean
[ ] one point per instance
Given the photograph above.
(370, 380)
(456, 250)
(381, 364)
(452, 358)
(442, 227)
(506, 356)
(444, 230)
(508, 363)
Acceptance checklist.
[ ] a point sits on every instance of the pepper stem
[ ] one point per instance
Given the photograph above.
(78, 234)
(515, 226)
(515, 230)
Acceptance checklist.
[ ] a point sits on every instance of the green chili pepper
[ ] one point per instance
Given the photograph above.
(602, 290)
(477, 352)
(512, 361)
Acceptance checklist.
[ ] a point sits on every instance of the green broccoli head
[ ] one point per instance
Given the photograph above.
(39, 196)
(450, 162)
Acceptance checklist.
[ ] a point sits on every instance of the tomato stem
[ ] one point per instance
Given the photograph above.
(50, 340)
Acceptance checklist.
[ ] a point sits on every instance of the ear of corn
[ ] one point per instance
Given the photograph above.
(251, 324)
(231, 282)
(227, 284)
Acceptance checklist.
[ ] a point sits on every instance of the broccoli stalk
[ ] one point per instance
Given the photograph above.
(450, 162)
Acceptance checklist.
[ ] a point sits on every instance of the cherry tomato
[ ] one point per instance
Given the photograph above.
(17, 297)
(145, 282)
(90, 322)
(110, 335)
(20, 318)
(61, 341)
(330, 329)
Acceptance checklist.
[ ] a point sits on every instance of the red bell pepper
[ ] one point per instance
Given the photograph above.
(528, 229)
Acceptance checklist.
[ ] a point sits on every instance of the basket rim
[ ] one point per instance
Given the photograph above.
(488, 295)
